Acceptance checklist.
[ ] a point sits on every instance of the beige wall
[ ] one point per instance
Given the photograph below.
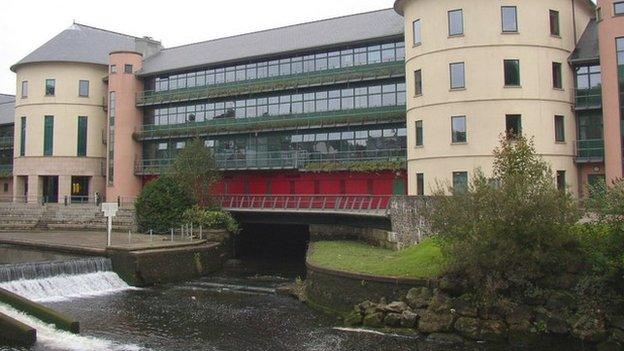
(485, 101)
(66, 105)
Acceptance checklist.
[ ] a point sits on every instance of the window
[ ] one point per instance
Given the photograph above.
(128, 69)
(162, 146)
(618, 8)
(48, 135)
(23, 137)
(50, 86)
(419, 133)
(460, 182)
(559, 129)
(512, 73)
(513, 125)
(561, 180)
(456, 22)
(24, 89)
(113, 69)
(458, 80)
(83, 88)
(458, 129)
(418, 82)
(556, 75)
(554, 23)
(416, 32)
(82, 136)
(180, 145)
(509, 15)
(420, 184)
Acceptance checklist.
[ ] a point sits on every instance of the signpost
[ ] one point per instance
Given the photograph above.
(110, 210)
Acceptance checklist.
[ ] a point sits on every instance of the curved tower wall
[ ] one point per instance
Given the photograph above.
(485, 100)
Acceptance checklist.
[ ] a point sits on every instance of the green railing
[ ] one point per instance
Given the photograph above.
(293, 159)
(355, 73)
(238, 125)
(585, 99)
(6, 170)
(591, 150)
(6, 142)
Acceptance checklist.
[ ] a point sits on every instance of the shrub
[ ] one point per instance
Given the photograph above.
(161, 204)
(210, 219)
(505, 234)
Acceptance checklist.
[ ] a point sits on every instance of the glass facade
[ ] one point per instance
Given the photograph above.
(390, 93)
(319, 61)
(323, 142)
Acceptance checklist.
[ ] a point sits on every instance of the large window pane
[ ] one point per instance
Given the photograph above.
(458, 126)
(416, 32)
(456, 22)
(418, 82)
(509, 18)
(512, 72)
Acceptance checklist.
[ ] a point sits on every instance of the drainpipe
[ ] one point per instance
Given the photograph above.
(574, 22)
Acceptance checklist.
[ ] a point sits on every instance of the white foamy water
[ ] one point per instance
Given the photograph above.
(50, 338)
(65, 287)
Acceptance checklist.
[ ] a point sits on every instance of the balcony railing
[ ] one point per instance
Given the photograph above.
(350, 74)
(591, 150)
(6, 170)
(586, 99)
(370, 160)
(223, 126)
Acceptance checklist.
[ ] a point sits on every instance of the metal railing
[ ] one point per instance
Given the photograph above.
(293, 159)
(585, 99)
(307, 203)
(355, 73)
(590, 150)
(221, 126)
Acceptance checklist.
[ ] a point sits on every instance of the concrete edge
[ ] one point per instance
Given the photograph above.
(170, 245)
(39, 311)
(369, 277)
(89, 251)
(16, 333)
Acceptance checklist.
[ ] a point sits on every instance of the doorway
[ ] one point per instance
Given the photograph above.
(79, 189)
(50, 189)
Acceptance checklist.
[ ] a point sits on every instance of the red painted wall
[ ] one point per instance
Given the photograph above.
(294, 182)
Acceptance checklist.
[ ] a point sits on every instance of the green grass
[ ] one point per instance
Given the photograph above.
(419, 261)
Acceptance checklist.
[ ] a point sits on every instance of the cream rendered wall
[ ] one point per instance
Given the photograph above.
(66, 106)
(485, 101)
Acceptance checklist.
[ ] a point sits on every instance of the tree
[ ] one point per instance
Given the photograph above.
(161, 204)
(504, 234)
(195, 169)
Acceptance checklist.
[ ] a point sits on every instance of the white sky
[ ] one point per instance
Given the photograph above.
(27, 24)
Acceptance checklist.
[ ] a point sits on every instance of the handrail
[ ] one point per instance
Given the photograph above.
(590, 148)
(230, 125)
(306, 203)
(292, 159)
(152, 97)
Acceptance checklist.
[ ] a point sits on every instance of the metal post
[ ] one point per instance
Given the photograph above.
(151, 235)
(110, 227)
(129, 237)
(182, 232)
(191, 236)
(201, 234)
(171, 234)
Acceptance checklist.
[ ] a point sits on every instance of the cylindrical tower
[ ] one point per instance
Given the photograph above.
(124, 118)
(59, 124)
(478, 69)
(611, 39)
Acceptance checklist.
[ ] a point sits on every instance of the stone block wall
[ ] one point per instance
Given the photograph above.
(407, 217)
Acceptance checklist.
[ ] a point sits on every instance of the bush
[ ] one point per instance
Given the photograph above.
(505, 235)
(161, 204)
(210, 219)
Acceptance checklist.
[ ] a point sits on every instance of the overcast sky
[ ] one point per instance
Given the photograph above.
(27, 24)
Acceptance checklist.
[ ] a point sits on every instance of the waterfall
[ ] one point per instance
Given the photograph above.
(63, 280)
(50, 338)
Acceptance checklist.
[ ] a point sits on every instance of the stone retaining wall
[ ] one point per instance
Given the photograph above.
(407, 218)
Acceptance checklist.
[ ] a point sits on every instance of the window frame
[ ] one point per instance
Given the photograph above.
(82, 136)
(561, 180)
(22, 150)
(516, 30)
(80, 82)
(53, 81)
(557, 32)
(461, 12)
(418, 84)
(24, 89)
(453, 139)
(420, 184)
(414, 42)
(465, 181)
(559, 121)
(419, 134)
(48, 135)
(515, 134)
(128, 68)
(519, 77)
(113, 69)
(463, 65)
(557, 75)
(615, 8)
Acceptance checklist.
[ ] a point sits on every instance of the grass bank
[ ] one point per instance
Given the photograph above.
(420, 261)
